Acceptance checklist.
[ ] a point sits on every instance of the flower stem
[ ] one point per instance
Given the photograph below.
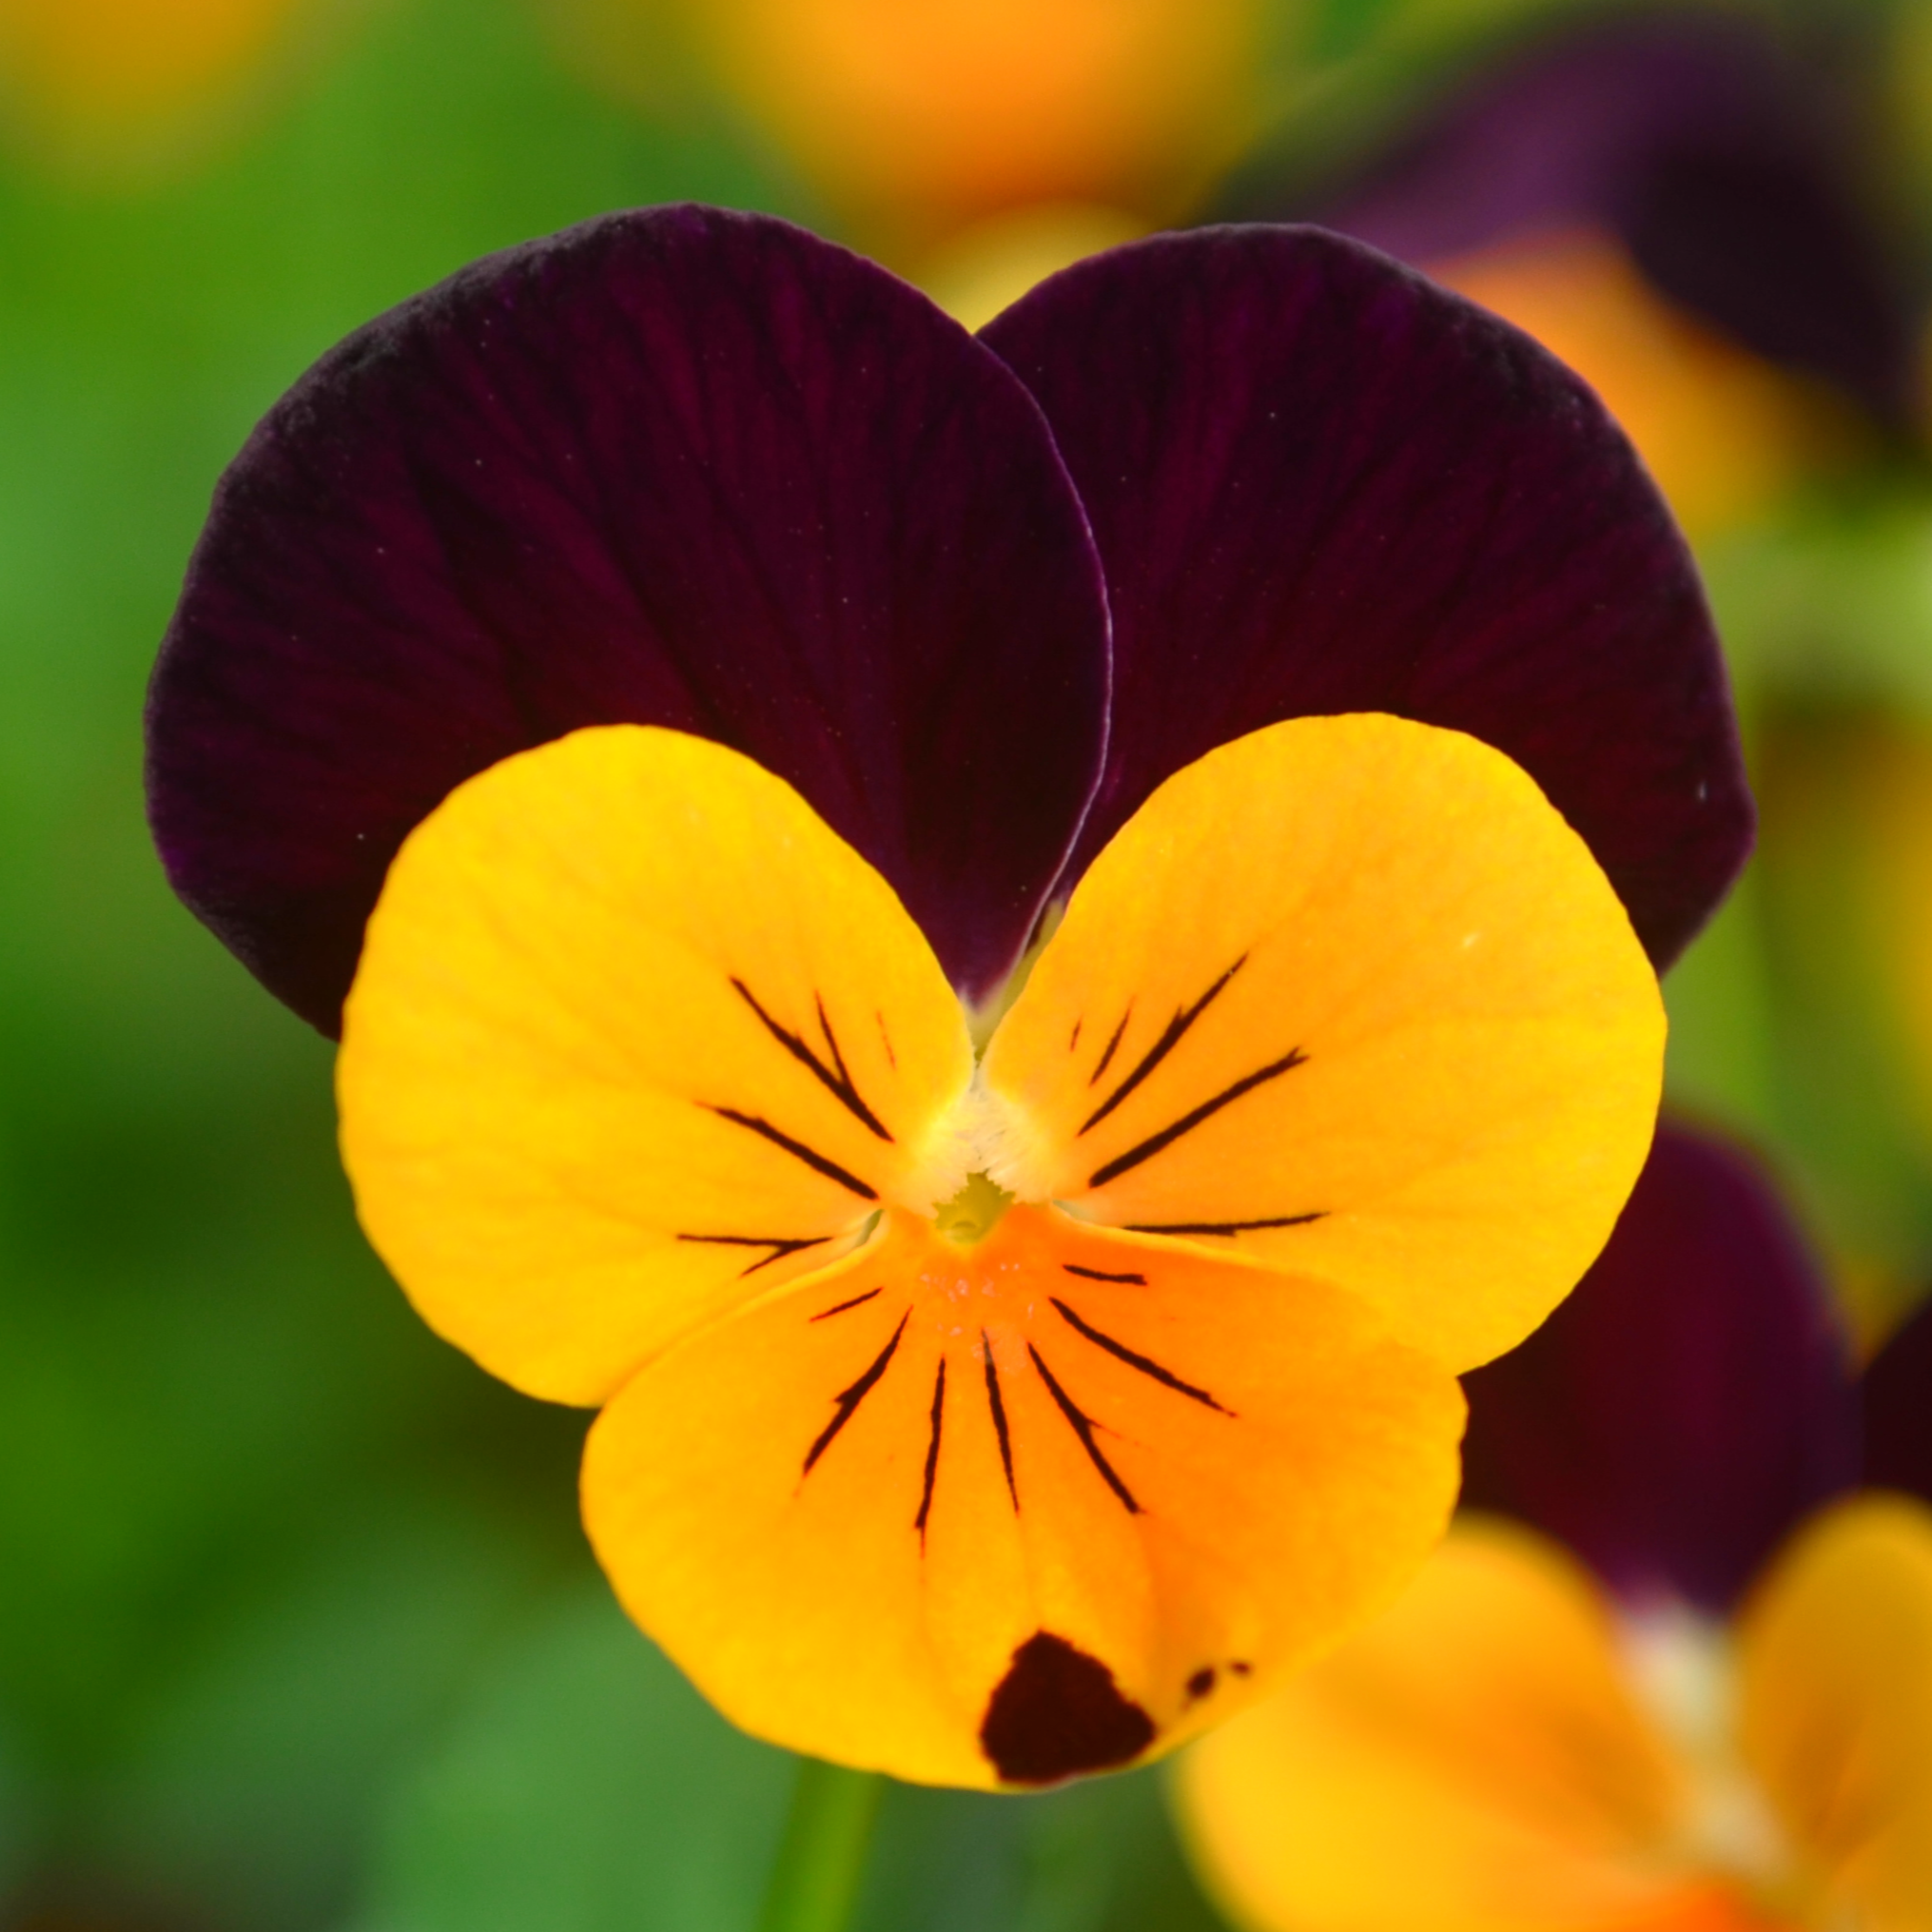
(822, 1859)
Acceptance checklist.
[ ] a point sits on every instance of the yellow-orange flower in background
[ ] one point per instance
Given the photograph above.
(106, 83)
(1501, 1753)
(918, 119)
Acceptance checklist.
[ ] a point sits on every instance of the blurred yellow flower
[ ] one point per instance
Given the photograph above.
(101, 81)
(1504, 1752)
(915, 119)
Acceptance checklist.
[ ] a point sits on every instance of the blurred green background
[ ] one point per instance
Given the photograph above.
(297, 1630)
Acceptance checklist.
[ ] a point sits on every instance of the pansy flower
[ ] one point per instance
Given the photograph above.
(1666, 202)
(682, 692)
(1712, 1708)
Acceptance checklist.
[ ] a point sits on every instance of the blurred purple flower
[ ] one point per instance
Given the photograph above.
(1897, 1393)
(1725, 167)
(1690, 1402)
(1697, 1397)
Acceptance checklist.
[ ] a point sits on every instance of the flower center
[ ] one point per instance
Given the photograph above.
(973, 1213)
(1684, 1669)
(976, 1164)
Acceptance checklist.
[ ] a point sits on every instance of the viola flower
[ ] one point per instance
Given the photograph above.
(1665, 202)
(1725, 1721)
(668, 677)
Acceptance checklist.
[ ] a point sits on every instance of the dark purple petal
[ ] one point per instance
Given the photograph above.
(1320, 484)
(1717, 162)
(1897, 1409)
(1690, 1402)
(675, 467)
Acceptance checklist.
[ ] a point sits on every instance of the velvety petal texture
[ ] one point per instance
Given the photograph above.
(1690, 1402)
(676, 467)
(1319, 484)
(1718, 162)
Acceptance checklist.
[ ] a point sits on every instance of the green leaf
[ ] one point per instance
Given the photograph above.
(1831, 602)
(586, 1788)
(250, 1776)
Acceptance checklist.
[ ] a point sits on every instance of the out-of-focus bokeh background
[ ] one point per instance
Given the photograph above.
(296, 1631)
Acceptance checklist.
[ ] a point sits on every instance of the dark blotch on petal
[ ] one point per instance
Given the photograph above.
(1898, 1409)
(1058, 1712)
(1689, 1403)
(676, 467)
(1319, 484)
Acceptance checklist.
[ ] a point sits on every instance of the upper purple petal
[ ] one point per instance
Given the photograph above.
(1897, 1409)
(1320, 484)
(1692, 1399)
(1720, 164)
(675, 467)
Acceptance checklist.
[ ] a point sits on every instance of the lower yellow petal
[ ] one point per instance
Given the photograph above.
(1394, 1030)
(1008, 1512)
(1836, 1662)
(634, 1038)
(1473, 1762)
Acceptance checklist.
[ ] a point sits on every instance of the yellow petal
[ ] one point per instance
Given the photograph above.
(1473, 1762)
(1835, 1678)
(634, 1038)
(1007, 1512)
(1396, 1032)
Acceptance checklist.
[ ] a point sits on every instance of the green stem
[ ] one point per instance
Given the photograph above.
(821, 1859)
